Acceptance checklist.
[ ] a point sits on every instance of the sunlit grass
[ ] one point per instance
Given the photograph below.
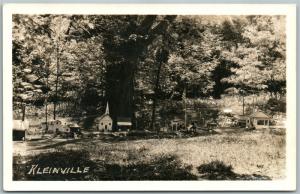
(247, 153)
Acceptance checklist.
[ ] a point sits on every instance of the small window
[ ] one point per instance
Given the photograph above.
(109, 123)
(260, 122)
(101, 123)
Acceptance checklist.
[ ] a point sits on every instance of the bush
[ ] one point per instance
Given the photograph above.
(160, 168)
(275, 105)
(215, 167)
(218, 170)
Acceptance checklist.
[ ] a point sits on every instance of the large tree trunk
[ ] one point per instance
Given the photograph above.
(162, 57)
(120, 75)
(120, 90)
(156, 87)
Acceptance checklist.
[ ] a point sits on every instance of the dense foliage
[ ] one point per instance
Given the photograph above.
(143, 64)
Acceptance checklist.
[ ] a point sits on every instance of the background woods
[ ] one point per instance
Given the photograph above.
(143, 65)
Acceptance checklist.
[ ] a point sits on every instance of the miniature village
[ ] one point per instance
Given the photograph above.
(191, 121)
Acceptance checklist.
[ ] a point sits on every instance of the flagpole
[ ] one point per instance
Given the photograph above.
(185, 116)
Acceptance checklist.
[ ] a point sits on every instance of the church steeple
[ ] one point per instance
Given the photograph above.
(107, 109)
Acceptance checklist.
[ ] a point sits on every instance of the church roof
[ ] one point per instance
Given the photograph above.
(102, 116)
(105, 114)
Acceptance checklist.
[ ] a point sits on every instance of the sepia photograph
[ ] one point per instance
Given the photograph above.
(149, 97)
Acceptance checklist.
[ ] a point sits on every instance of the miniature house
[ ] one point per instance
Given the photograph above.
(74, 128)
(124, 123)
(104, 123)
(176, 124)
(260, 120)
(19, 129)
(56, 126)
(243, 121)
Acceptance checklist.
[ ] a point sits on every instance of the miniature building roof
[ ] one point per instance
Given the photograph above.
(74, 125)
(177, 119)
(101, 117)
(125, 121)
(260, 115)
(20, 125)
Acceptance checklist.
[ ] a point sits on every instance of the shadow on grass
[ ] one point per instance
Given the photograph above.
(164, 167)
(161, 168)
(218, 170)
(62, 143)
(142, 135)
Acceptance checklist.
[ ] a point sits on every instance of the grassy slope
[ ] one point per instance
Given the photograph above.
(248, 152)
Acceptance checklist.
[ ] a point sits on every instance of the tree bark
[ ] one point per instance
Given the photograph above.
(120, 90)
(120, 75)
(156, 87)
(23, 111)
(46, 106)
(162, 57)
(56, 84)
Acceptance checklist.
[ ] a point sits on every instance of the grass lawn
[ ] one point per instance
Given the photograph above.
(231, 156)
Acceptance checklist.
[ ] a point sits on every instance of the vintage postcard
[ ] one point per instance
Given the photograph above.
(149, 97)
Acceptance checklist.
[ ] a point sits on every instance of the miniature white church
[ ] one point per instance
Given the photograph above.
(104, 123)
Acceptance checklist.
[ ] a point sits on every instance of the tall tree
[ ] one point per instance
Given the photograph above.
(125, 41)
(258, 55)
(59, 27)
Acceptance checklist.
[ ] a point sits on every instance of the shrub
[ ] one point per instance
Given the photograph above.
(160, 168)
(275, 105)
(218, 170)
(215, 167)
